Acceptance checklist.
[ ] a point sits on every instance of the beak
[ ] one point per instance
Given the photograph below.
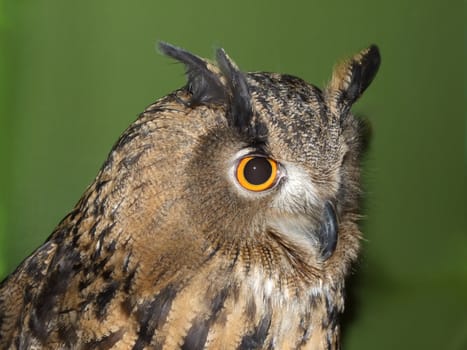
(328, 232)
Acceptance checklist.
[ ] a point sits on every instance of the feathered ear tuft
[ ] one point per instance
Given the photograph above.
(223, 84)
(203, 81)
(241, 111)
(351, 78)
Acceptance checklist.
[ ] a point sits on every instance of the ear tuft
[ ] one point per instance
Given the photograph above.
(203, 81)
(240, 100)
(222, 84)
(351, 78)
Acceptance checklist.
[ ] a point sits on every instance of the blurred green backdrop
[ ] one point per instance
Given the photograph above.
(74, 74)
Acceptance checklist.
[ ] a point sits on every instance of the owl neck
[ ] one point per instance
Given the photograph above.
(279, 307)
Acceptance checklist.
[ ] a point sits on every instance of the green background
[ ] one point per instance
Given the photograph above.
(74, 74)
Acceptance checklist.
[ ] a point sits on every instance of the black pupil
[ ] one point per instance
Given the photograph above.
(257, 171)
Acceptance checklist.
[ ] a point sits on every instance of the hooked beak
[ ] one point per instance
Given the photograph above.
(328, 232)
(319, 235)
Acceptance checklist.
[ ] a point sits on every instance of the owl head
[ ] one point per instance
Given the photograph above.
(261, 167)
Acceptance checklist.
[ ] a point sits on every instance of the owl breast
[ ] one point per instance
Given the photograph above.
(246, 307)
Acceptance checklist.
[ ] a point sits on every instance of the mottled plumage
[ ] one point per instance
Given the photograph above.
(169, 249)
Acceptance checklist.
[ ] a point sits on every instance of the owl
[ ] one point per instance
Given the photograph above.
(225, 217)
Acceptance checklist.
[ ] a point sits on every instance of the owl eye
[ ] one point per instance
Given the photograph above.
(257, 173)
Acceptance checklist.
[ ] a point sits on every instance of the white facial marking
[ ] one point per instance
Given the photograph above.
(297, 191)
(296, 204)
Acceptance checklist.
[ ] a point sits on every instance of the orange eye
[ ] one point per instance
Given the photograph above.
(256, 173)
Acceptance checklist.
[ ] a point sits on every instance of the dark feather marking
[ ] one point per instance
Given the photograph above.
(103, 298)
(305, 321)
(2, 314)
(362, 74)
(197, 334)
(72, 215)
(107, 274)
(332, 314)
(240, 114)
(23, 342)
(83, 284)
(98, 266)
(320, 103)
(251, 308)
(131, 133)
(129, 281)
(204, 85)
(234, 259)
(92, 231)
(151, 315)
(256, 339)
(134, 158)
(96, 254)
(100, 204)
(67, 334)
(84, 303)
(111, 247)
(27, 296)
(75, 235)
(213, 251)
(153, 109)
(106, 342)
(218, 302)
(55, 284)
(127, 306)
(35, 264)
(328, 342)
(100, 184)
(306, 328)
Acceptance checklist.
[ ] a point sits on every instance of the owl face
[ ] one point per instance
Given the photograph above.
(284, 177)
